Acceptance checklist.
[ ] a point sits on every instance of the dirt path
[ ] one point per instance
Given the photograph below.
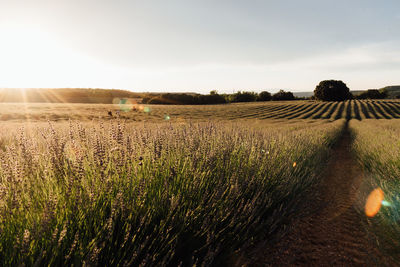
(334, 235)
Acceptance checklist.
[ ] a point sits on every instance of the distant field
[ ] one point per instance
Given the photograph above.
(285, 110)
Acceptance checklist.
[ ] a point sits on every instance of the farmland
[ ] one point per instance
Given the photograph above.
(281, 110)
(160, 184)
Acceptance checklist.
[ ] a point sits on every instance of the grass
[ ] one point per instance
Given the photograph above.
(152, 193)
(378, 150)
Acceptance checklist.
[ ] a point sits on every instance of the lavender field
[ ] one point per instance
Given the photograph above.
(121, 193)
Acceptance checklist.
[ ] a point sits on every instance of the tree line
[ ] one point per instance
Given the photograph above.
(109, 96)
(214, 98)
(328, 90)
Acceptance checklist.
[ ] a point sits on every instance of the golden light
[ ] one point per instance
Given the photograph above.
(34, 58)
(374, 202)
(25, 51)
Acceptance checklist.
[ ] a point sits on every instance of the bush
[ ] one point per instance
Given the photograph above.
(243, 97)
(373, 94)
(175, 99)
(283, 95)
(186, 99)
(264, 96)
(332, 90)
(211, 99)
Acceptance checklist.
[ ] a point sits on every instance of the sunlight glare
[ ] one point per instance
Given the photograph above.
(33, 58)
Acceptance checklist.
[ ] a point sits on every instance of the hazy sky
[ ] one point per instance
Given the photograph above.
(187, 45)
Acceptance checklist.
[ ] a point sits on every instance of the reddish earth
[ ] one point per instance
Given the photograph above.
(334, 234)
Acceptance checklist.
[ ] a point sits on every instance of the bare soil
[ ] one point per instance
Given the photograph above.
(334, 234)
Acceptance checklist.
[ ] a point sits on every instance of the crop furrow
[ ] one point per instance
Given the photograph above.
(338, 114)
(395, 110)
(372, 110)
(378, 108)
(296, 115)
(270, 107)
(280, 112)
(293, 112)
(348, 109)
(319, 114)
(312, 111)
(364, 109)
(355, 109)
(275, 111)
(394, 106)
(389, 110)
(330, 111)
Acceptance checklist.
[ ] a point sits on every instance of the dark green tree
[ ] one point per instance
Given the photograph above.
(243, 97)
(264, 96)
(332, 90)
(373, 94)
(283, 95)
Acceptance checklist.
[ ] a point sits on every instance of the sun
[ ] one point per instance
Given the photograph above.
(24, 48)
(33, 57)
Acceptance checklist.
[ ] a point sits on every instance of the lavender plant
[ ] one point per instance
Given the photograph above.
(380, 158)
(119, 193)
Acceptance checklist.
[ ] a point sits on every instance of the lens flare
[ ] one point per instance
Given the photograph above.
(374, 202)
(167, 117)
(146, 109)
(125, 104)
(386, 203)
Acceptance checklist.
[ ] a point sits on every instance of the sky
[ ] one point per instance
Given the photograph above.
(199, 46)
